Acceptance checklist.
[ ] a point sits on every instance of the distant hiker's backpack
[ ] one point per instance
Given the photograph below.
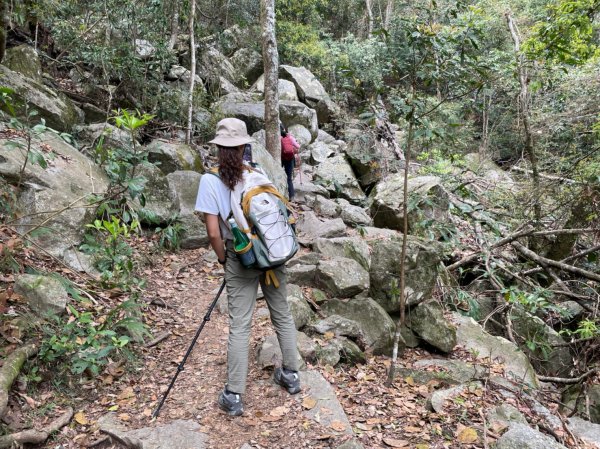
(260, 211)
(287, 148)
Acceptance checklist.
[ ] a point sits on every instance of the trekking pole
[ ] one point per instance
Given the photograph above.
(180, 367)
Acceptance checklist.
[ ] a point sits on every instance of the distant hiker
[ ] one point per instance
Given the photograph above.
(289, 156)
(214, 200)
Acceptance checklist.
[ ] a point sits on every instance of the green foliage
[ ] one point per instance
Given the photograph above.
(88, 340)
(532, 302)
(567, 33)
(299, 44)
(113, 255)
(586, 328)
(169, 236)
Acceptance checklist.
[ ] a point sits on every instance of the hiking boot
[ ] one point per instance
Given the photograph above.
(231, 403)
(288, 379)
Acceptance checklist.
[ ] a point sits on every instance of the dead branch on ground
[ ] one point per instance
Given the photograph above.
(34, 436)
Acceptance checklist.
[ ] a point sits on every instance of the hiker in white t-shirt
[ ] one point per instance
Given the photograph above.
(242, 283)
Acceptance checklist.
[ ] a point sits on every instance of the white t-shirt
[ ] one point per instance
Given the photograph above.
(215, 198)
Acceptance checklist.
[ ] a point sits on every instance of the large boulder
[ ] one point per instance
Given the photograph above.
(44, 294)
(353, 215)
(336, 175)
(301, 134)
(368, 157)
(212, 64)
(311, 227)
(248, 64)
(269, 353)
(184, 184)
(162, 204)
(270, 166)
(521, 436)
(66, 184)
(548, 353)
(310, 90)
(376, 326)
(342, 277)
(421, 271)
(386, 201)
(327, 110)
(253, 114)
(56, 109)
(587, 431)
(296, 113)
(172, 156)
(287, 90)
(24, 59)
(104, 134)
(350, 247)
(428, 322)
(474, 338)
(299, 308)
(320, 152)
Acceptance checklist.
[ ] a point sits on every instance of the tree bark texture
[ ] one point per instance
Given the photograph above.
(369, 18)
(188, 135)
(11, 369)
(389, 10)
(174, 25)
(271, 68)
(34, 436)
(3, 27)
(524, 105)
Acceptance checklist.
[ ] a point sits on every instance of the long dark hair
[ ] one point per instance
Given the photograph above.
(231, 165)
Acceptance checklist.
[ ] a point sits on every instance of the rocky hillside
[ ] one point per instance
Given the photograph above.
(483, 361)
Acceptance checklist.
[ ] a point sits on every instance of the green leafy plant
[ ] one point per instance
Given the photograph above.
(586, 328)
(169, 236)
(108, 242)
(88, 340)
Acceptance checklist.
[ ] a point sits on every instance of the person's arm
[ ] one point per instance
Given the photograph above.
(295, 144)
(214, 235)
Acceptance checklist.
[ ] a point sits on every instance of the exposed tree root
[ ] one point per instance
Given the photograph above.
(34, 436)
(10, 370)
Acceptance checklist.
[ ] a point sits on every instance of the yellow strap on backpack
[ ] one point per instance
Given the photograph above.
(270, 277)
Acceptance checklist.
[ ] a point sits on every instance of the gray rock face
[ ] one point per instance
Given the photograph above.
(296, 113)
(253, 114)
(428, 322)
(438, 398)
(342, 277)
(506, 414)
(161, 201)
(248, 65)
(450, 370)
(319, 152)
(376, 326)
(325, 137)
(472, 336)
(421, 271)
(212, 64)
(337, 177)
(337, 325)
(59, 111)
(24, 59)
(307, 189)
(325, 207)
(349, 247)
(112, 137)
(307, 347)
(315, 386)
(184, 185)
(520, 436)
(172, 156)
(178, 434)
(299, 308)
(45, 295)
(327, 110)
(270, 167)
(302, 274)
(311, 227)
(69, 178)
(353, 215)
(555, 362)
(588, 432)
(301, 134)
(310, 90)
(386, 201)
(144, 49)
(287, 90)
(350, 352)
(365, 158)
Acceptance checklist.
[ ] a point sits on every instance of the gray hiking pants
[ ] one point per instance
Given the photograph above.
(242, 286)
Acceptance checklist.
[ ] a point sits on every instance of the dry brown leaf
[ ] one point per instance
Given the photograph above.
(338, 426)
(467, 435)
(364, 427)
(328, 335)
(279, 411)
(309, 402)
(81, 419)
(124, 417)
(392, 442)
(410, 381)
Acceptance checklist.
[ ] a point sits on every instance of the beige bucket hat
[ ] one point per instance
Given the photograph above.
(231, 132)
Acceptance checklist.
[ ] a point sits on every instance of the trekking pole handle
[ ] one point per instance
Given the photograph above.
(185, 357)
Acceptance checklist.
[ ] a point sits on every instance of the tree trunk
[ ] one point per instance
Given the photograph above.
(188, 135)
(389, 10)
(174, 26)
(271, 67)
(3, 27)
(524, 104)
(11, 369)
(369, 18)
